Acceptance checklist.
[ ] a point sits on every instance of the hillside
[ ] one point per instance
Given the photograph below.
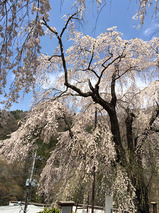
(9, 122)
(14, 175)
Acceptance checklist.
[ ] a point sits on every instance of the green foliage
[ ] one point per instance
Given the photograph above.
(17, 114)
(52, 210)
(43, 151)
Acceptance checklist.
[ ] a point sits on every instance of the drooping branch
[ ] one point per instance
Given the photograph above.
(149, 130)
(127, 70)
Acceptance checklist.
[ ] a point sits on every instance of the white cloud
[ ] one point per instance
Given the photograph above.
(151, 30)
(52, 79)
(141, 84)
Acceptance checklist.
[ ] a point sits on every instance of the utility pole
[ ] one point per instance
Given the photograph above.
(93, 188)
(28, 183)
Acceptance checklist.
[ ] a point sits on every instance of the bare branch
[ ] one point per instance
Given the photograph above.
(61, 49)
(51, 29)
(91, 71)
(5, 1)
(91, 56)
(106, 67)
(107, 60)
(67, 22)
(90, 85)
(67, 84)
(83, 94)
(54, 56)
(113, 93)
(154, 129)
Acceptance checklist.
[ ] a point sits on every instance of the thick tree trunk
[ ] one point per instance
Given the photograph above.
(121, 157)
(135, 170)
(132, 163)
(135, 173)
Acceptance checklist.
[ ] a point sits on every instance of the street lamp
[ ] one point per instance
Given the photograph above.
(154, 204)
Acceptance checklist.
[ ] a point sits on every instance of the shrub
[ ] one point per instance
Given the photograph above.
(50, 210)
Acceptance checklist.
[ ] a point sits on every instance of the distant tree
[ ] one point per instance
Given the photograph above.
(18, 114)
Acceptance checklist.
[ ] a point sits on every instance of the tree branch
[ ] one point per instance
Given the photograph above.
(67, 22)
(91, 71)
(106, 67)
(130, 68)
(83, 94)
(91, 56)
(67, 84)
(57, 56)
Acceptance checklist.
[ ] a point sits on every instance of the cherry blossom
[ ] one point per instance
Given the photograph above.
(100, 71)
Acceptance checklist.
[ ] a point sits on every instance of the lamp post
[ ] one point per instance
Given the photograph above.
(154, 206)
(29, 182)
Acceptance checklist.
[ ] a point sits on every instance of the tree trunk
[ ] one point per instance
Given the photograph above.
(132, 163)
(135, 173)
(135, 170)
(121, 157)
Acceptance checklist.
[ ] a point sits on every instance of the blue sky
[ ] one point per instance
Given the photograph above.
(115, 13)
